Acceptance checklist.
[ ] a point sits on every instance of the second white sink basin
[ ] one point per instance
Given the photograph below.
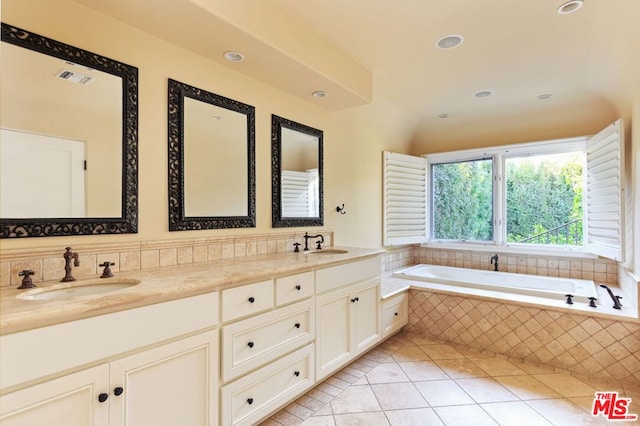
(329, 251)
(71, 290)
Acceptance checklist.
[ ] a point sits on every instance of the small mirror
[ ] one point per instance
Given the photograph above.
(68, 140)
(297, 198)
(211, 160)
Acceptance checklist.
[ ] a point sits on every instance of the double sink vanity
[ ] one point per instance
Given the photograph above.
(226, 342)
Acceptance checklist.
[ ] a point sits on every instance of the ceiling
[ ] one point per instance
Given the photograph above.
(365, 51)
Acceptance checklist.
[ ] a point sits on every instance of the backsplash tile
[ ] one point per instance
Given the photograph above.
(48, 263)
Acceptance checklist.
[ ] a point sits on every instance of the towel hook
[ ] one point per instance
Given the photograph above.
(340, 209)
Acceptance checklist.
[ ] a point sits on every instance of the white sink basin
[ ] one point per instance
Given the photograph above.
(328, 251)
(68, 291)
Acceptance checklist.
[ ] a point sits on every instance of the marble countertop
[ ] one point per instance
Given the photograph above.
(161, 285)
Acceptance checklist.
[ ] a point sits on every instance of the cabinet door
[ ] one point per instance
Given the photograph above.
(333, 331)
(174, 384)
(366, 319)
(70, 400)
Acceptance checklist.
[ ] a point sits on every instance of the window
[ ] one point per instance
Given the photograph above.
(565, 193)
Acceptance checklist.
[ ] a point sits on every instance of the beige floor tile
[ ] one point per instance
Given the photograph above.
(356, 399)
(286, 419)
(443, 392)
(566, 385)
(408, 353)
(497, 366)
(361, 381)
(527, 387)
(584, 402)
(319, 421)
(319, 395)
(464, 415)
(486, 389)
(420, 340)
(422, 370)
(387, 373)
(534, 369)
(460, 368)
(563, 412)
(398, 396)
(514, 413)
(270, 422)
(441, 352)
(324, 411)
(413, 417)
(361, 419)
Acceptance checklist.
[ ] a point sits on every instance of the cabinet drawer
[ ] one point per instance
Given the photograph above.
(294, 288)
(255, 341)
(394, 313)
(341, 275)
(245, 300)
(251, 398)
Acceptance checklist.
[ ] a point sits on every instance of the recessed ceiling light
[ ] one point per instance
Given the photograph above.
(570, 7)
(319, 94)
(216, 117)
(544, 96)
(483, 93)
(232, 56)
(449, 42)
(443, 115)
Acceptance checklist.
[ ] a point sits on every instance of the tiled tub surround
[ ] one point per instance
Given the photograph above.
(48, 264)
(587, 346)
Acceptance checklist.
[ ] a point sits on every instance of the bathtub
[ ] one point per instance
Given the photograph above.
(504, 282)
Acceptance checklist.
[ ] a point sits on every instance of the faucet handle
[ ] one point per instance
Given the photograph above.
(319, 244)
(107, 269)
(27, 282)
(296, 247)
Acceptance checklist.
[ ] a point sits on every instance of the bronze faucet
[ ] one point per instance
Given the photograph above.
(318, 242)
(68, 256)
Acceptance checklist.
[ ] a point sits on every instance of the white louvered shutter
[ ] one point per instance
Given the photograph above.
(604, 193)
(295, 194)
(405, 204)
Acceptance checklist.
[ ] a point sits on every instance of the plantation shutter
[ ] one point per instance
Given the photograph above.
(295, 194)
(604, 193)
(405, 204)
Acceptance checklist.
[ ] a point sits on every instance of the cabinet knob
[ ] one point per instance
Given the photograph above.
(103, 397)
(250, 344)
(298, 287)
(355, 299)
(296, 373)
(118, 391)
(395, 314)
(252, 299)
(296, 325)
(249, 401)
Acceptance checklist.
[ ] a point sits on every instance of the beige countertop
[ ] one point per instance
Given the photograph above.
(160, 285)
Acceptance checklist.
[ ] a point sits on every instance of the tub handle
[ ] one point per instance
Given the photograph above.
(569, 299)
(592, 302)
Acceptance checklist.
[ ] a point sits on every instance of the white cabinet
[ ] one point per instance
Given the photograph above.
(347, 323)
(171, 384)
(70, 400)
(394, 314)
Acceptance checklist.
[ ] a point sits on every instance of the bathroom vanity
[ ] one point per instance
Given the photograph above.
(218, 343)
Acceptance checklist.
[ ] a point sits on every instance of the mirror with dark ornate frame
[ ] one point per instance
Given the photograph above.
(211, 160)
(296, 167)
(69, 151)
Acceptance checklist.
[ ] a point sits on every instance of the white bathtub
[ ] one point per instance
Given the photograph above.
(505, 282)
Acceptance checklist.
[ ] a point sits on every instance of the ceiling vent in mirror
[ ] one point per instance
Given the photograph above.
(483, 93)
(570, 7)
(232, 56)
(74, 77)
(449, 42)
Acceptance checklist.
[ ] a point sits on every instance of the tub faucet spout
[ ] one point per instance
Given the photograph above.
(616, 299)
(494, 262)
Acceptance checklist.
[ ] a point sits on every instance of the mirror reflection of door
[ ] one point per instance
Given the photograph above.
(300, 177)
(41, 176)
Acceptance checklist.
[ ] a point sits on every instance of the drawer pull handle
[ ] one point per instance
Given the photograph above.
(296, 325)
(118, 391)
(355, 299)
(298, 287)
(296, 373)
(250, 344)
(249, 401)
(252, 299)
(103, 397)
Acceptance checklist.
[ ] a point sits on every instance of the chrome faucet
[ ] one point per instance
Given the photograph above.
(68, 257)
(318, 242)
(494, 262)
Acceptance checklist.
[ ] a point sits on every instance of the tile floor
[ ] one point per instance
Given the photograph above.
(409, 380)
